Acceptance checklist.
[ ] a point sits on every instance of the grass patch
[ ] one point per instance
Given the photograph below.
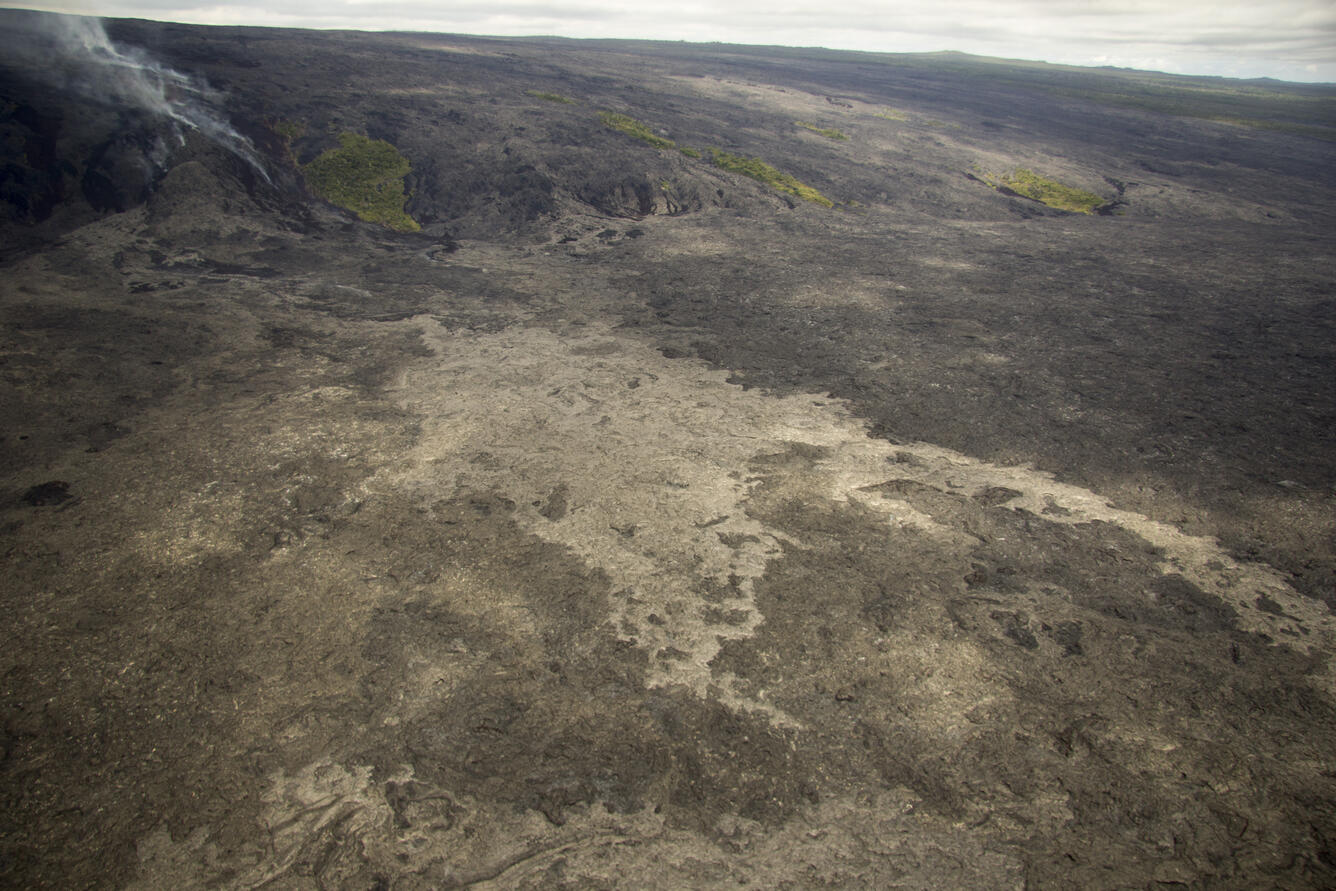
(752, 167)
(764, 173)
(828, 132)
(365, 176)
(551, 97)
(892, 114)
(289, 130)
(633, 128)
(1029, 184)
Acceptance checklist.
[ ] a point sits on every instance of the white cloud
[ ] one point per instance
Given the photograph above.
(1293, 39)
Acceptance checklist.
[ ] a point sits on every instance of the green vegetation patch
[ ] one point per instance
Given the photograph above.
(365, 176)
(633, 128)
(1029, 184)
(289, 130)
(752, 167)
(892, 114)
(763, 172)
(551, 97)
(828, 132)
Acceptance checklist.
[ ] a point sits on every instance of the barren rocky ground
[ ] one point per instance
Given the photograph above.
(635, 524)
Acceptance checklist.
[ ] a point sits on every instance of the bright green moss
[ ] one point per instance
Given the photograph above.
(289, 130)
(1031, 185)
(763, 172)
(631, 127)
(551, 97)
(365, 176)
(828, 132)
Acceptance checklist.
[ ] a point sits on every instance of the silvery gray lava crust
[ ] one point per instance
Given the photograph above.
(635, 524)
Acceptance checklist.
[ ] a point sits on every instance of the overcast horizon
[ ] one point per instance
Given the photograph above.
(1291, 40)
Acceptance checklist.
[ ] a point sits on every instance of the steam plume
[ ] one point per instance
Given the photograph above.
(86, 62)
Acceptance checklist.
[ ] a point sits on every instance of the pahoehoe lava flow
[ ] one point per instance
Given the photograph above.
(435, 461)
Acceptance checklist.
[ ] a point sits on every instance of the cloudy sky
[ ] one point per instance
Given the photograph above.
(1288, 39)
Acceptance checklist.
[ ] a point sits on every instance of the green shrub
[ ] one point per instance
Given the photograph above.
(551, 97)
(631, 127)
(289, 130)
(828, 132)
(1029, 184)
(365, 176)
(764, 173)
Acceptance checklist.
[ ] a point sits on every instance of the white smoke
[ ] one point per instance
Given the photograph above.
(86, 62)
